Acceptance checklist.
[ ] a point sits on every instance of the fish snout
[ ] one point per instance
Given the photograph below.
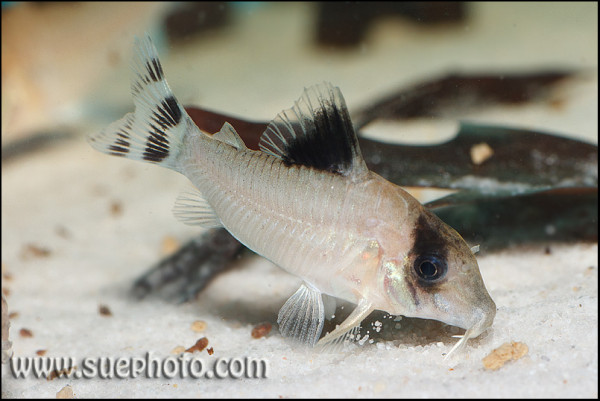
(483, 316)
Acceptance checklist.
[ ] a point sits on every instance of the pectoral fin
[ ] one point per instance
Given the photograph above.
(303, 315)
(192, 209)
(362, 310)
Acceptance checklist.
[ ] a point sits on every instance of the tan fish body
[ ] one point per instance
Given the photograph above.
(308, 203)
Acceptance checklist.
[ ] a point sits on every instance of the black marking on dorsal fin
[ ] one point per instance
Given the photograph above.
(317, 132)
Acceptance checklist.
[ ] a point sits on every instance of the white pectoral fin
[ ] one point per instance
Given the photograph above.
(191, 208)
(352, 322)
(302, 316)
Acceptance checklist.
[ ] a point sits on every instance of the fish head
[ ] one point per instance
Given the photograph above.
(438, 278)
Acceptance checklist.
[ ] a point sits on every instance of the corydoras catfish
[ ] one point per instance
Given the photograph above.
(307, 202)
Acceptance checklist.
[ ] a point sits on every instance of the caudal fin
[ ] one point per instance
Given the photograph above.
(156, 130)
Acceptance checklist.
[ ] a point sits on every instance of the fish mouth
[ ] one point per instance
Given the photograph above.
(482, 324)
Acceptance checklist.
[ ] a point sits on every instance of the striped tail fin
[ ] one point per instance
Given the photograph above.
(156, 130)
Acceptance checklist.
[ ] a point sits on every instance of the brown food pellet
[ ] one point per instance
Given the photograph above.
(116, 209)
(199, 346)
(169, 245)
(104, 310)
(13, 315)
(261, 330)
(7, 276)
(41, 352)
(32, 250)
(25, 333)
(210, 351)
(65, 392)
(507, 351)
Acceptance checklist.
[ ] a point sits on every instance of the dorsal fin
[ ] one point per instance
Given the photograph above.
(228, 135)
(317, 132)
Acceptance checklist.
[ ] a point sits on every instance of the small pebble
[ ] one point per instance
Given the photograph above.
(199, 325)
(178, 350)
(480, 153)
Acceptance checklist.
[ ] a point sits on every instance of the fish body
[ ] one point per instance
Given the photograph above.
(307, 202)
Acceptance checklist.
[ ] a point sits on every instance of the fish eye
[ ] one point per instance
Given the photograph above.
(430, 268)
